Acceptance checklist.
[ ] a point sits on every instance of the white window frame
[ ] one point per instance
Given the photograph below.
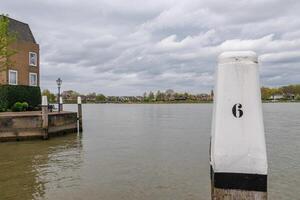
(35, 74)
(36, 59)
(14, 71)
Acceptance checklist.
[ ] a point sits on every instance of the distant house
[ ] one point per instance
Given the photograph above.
(204, 97)
(277, 97)
(70, 95)
(91, 97)
(139, 98)
(290, 96)
(25, 68)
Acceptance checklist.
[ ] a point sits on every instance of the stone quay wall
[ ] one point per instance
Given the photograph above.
(28, 125)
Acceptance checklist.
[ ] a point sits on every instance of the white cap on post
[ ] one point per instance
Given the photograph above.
(238, 141)
(44, 101)
(79, 100)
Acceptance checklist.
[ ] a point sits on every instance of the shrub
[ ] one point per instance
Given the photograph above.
(10, 94)
(25, 106)
(17, 107)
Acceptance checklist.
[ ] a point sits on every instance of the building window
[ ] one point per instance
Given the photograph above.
(32, 59)
(13, 77)
(32, 79)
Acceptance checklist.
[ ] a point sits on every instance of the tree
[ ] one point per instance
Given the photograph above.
(51, 97)
(160, 96)
(6, 39)
(186, 95)
(145, 96)
(100, 98)
(151, 96)
(291, 89)
(266, 93)
(113, 99)
(169, 94)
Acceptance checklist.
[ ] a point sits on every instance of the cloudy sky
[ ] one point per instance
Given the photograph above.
(126, 47)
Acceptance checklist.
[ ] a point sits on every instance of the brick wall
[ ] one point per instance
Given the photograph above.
(21, 63)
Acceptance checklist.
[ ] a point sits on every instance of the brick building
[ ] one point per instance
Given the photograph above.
(25, 67)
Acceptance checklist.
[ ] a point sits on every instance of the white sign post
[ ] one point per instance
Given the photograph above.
(238, 151)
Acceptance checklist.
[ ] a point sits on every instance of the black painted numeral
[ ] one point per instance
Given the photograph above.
(237, 110)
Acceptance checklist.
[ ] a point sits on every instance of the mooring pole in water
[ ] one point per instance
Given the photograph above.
(45, 117)
(79, 114)
(238, 151)
(61, 103)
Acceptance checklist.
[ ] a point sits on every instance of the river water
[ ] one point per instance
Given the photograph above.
(141, 152)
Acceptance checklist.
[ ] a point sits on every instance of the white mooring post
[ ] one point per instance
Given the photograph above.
(45, 117)
(61, 103)
(79, 114)
(238, 151)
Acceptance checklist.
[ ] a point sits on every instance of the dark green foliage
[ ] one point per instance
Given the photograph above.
(10, 94)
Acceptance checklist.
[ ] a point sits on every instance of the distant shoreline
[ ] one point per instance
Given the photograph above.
(208, 102)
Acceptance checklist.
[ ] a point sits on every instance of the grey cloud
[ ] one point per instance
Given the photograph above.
(126, 47)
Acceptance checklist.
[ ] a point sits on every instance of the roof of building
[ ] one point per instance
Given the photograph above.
(22, 29)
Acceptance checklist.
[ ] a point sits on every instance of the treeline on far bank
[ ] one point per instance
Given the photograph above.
(169, 96)
(284, 93)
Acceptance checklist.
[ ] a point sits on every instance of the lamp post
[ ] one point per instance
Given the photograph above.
(58, 82)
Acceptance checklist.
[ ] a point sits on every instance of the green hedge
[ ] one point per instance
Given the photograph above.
(10, 94)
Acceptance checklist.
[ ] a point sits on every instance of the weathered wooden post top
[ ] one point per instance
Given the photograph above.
(238, 151)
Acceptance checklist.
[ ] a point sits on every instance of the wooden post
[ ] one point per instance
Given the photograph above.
(79, 114)
(61, 103)
(45, 117)
(238, 151)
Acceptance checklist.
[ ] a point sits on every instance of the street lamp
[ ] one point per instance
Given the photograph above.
(58, 82)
